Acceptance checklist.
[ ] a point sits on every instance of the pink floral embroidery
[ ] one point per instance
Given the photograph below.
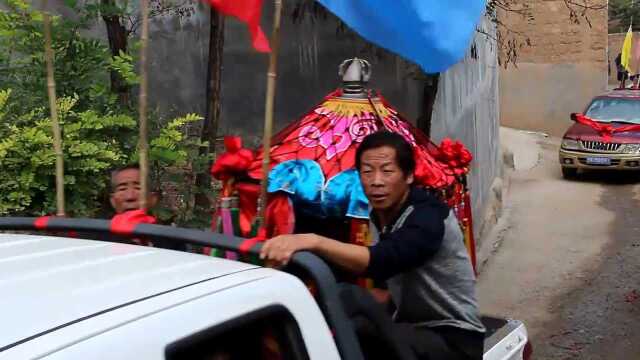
(340, 136)
(340, 132)
(393, 125)
(337, 139)
(361, 127)
(309, 136)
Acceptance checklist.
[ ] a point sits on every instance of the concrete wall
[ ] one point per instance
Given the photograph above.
(540, 97)
(563, 69)
(467, 109)
(307, 70)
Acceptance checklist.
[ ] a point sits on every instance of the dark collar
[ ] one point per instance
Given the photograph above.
(408, 202)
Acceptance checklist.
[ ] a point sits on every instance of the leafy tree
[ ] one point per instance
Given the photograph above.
(122, 19)
(80, 63)
(621, 13)
(93, 144)
(98, 133)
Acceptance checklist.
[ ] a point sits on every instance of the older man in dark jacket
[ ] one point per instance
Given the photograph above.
(419, 251)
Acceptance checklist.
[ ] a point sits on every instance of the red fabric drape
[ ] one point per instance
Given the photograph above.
(234, 161)
(280, 215)
(248, 11)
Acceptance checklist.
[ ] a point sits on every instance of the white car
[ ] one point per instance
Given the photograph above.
(67, 298)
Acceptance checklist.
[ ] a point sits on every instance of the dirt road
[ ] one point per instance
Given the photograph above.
(569, 261)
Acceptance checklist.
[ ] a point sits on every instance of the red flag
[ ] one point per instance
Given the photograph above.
(248, 11)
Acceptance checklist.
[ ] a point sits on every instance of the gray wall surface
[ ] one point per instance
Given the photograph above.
(307, 70)
(541, 97)
(467, 107)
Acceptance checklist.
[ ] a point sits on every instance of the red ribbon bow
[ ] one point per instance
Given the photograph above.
(428, 173)
(605, 130)
(455, 156)
(236, 160)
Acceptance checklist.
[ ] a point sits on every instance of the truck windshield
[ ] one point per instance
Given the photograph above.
(615, 110)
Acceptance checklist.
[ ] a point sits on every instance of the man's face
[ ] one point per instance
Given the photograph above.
(126, 190)
(384, 182)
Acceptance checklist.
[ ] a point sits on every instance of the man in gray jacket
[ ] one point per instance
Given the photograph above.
(419, 252)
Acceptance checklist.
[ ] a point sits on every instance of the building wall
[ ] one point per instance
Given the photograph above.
(563, 69)
(308, 63)
(466, 108)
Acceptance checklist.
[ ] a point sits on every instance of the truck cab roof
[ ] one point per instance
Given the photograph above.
(67, 298)
(114, 283)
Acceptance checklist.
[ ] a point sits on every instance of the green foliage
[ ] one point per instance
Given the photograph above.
(98, 132)
(175, 159)
(621, 12)
(80, 62)
(171, 147)
(123, 64)
(27, 159)
(93, 144)
(128, 11)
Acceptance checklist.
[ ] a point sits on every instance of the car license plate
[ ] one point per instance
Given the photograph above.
(598, 161)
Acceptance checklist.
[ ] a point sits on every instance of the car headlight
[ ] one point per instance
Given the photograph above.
(631, 149)
(570, 144)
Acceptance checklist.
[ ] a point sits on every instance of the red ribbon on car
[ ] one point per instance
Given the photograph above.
(41, 222)
(605, 130)
(126, 222)
(248, 244)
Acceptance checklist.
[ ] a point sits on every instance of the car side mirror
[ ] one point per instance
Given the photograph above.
(574, 116)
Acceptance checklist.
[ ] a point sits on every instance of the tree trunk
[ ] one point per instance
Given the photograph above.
(143, 142)
(117, 36)
(430, 90)
(212, 115)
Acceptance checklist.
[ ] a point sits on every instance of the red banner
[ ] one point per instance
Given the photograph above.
(248, 11)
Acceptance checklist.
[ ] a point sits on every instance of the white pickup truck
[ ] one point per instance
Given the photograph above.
(66, 298)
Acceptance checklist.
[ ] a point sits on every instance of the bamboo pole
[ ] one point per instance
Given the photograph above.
(143, 143)
(268, 116)
(55, 124)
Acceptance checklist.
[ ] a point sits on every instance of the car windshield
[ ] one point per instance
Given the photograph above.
(615, 110)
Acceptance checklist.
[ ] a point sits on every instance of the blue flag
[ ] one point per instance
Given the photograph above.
(434, 34)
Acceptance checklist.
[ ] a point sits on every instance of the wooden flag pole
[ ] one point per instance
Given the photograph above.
(268, 116)
(55, 124)
(143, 143)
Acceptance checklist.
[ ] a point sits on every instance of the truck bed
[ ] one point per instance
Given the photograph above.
(505, 339)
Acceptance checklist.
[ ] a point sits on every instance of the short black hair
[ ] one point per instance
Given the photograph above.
(153, 185)
(404, 150)
(115, 171)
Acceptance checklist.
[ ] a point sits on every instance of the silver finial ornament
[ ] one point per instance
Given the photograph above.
(355, 75)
